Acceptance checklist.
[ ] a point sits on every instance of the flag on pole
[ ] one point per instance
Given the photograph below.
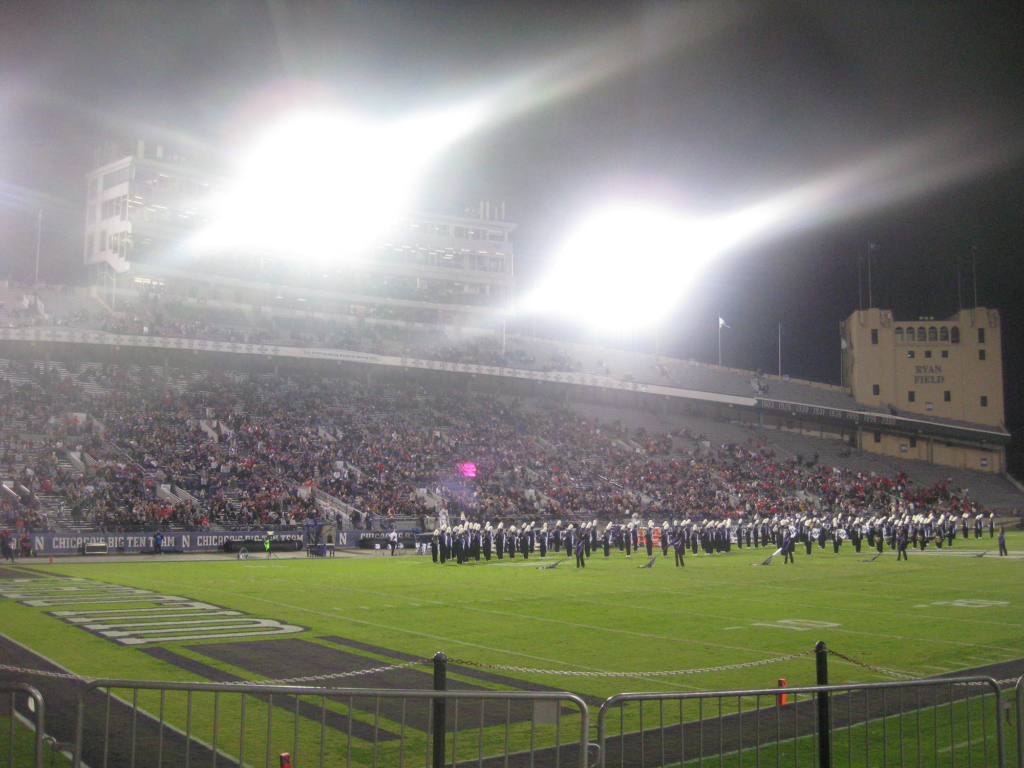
(769, 560)
(721, 323)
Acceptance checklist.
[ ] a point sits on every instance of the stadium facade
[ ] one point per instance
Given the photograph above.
(147, 204)
(947, 371)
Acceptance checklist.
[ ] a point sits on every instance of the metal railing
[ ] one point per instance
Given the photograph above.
(332, 502)
(1018, 691)
(239, 724)
(19, 744)
(931, 722)
(955, 722)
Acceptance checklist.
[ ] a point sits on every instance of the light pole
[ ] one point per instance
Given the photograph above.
(721, 325)
(780, 350)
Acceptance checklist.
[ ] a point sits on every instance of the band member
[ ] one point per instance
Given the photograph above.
(901, 544)
(679, 546)
(788, 545)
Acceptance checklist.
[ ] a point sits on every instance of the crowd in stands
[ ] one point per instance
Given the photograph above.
(246, 450)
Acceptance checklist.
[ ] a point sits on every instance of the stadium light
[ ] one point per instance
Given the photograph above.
(625, 266)
(320, 186)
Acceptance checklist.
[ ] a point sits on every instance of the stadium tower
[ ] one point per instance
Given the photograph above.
(943, 374)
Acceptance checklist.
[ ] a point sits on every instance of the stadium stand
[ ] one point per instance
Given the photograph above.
(90, 446)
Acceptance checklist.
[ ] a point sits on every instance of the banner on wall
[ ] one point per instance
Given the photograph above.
(142, 541)
(194, 541)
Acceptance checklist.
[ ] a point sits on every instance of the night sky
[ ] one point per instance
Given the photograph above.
(708, 108)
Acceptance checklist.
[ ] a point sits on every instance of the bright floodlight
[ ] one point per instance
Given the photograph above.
(625, 267)
(322, 186)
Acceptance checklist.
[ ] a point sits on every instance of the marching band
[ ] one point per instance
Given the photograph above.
(898, 528)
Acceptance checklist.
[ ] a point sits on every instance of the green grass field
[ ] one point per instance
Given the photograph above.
(933, 614)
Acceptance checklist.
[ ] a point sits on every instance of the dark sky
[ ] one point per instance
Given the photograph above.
(712, 107)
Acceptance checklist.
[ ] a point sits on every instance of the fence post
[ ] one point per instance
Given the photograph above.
(1019, 693)
(440, 706)
(824, 718)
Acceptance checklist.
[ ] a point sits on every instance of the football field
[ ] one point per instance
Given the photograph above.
(718, 623)
(937, 613)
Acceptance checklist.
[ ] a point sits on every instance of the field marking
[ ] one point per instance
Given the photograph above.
(738, 618)
(834, 629)
(961, 745)
(667, 610)
(927, 640)
(629, 632)
(531, 617)
(972, 590)
(904, 586)
(527, 616)
(422, 634)
(838, 608)
(800, 625)
(803, 605)
(515, 565)
(828, 608)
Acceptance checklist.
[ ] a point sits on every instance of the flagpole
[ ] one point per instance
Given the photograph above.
(959, 294)
(872, 247)
(780, 350)
(974, 269)
(719, 341)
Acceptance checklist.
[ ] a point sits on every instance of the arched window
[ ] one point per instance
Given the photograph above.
(943, 333)
(922, 334)
(954, 335)
(933, 335)
(899, 335)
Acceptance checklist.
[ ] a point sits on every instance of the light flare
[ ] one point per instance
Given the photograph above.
(628, 265)
(323, 186)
